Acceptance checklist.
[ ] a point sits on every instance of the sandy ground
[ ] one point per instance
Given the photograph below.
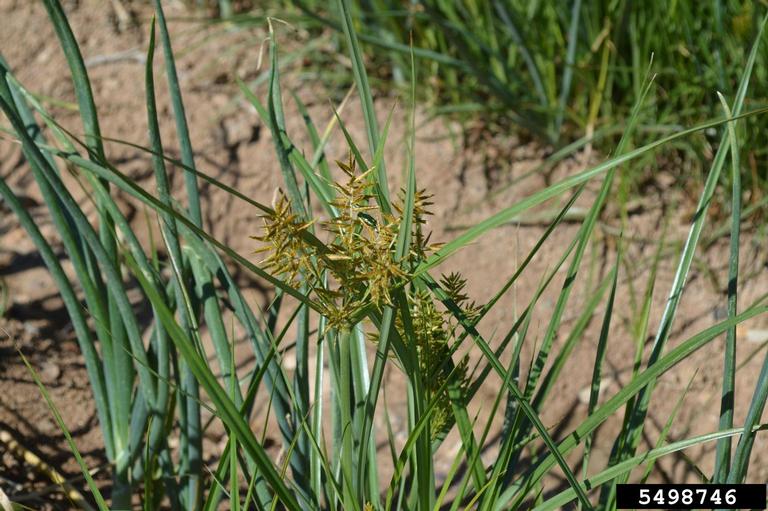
(470, 176)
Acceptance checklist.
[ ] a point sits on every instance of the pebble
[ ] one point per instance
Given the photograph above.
(50, 371)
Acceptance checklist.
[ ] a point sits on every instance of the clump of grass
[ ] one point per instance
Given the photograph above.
(362, 271)
(568, 71)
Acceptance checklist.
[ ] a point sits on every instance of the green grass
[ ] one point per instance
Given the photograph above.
(567, 71)
(359, 277)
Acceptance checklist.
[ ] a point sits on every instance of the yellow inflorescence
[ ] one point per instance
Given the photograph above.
(358, 267)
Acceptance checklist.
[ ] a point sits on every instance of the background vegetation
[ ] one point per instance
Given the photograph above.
(566, 72)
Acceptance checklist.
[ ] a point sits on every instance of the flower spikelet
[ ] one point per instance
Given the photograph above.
(282, 235)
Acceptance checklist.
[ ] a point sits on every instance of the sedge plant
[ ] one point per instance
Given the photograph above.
(361, 276)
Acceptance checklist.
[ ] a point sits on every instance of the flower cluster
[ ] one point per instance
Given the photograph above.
(435, 342)
(357, 267)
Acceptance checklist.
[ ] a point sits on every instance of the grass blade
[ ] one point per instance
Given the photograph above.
(191, 434)
(570, 60)
(366, 100)
(728, 398)
(63, 427)
(602, 344)
(180, 117)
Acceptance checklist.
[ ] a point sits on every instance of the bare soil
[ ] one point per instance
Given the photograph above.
(470, 177)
